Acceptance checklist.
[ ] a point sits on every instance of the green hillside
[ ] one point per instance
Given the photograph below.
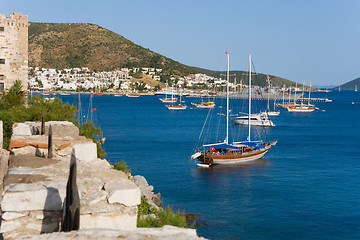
(63, 45)
(69, 45)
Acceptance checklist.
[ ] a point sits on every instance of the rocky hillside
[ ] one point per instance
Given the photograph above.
(64, 45)
(68, 45)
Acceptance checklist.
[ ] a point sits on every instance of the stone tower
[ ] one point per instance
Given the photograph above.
(13, 50)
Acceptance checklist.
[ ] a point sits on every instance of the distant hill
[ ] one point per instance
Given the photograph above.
(350, 85)
(243, 76)
(64, 45)
(69, 45)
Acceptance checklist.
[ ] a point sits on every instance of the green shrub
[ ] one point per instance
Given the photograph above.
(152, 218)
(121, 166)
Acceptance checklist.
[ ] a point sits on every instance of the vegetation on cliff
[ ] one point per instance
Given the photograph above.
(151, 217)
(13, 109)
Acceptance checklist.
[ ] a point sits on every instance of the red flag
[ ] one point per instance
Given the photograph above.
(226, 52)
(95, 109)
(212, 149)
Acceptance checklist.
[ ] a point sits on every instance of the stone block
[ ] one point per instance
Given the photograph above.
(8, 226)
(62, 129)
(123, 192)
(21, 129)
(121, 222)
(30, 197)
(85, 151)
(140, 181)
(12, 215)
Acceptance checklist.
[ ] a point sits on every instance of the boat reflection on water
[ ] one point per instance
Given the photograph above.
(237, 169)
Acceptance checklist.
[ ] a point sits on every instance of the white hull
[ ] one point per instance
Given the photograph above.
(266, 123)
(182, 107)
(271, 113)
(164, 100)
(301, 109)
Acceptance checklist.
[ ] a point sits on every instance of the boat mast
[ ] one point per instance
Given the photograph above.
(268, 102)
(295, 94)
(79, 110)
(249, 97)
(91, 101)
(302, 97)
(227, 99)
(309, 94)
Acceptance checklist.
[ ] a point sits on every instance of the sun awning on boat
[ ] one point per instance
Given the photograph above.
(254, 145)
(218, 146)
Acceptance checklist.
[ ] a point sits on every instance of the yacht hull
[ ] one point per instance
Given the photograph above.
(301, 109)
(231, 158)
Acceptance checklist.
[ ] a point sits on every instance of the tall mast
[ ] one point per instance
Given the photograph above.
(249, 97)
(227, 99)
(302, 97)
(91, 101)
(79, 110)
(295, 94)
(309, 94)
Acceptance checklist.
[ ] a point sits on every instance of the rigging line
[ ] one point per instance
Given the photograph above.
(203, 128)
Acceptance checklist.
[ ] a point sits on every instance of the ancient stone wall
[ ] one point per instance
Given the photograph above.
(13, 50)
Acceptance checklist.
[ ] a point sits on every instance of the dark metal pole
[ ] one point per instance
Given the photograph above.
(42, 122)
(50, 143)
(71, 209)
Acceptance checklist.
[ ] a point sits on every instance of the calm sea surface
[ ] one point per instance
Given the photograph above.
(306, 187)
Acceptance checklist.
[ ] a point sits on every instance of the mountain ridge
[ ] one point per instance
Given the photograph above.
(69, 45)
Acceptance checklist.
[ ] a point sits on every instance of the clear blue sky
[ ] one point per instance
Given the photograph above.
(308, 40)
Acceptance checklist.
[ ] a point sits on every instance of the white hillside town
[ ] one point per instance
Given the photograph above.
(84, 80)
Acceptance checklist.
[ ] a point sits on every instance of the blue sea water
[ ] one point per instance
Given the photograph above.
(306, 187)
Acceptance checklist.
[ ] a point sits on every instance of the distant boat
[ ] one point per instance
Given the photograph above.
(118, 95)
(257, 119)
(303, 107)
(270, 113)
(177, 107)
(204, 105)
(236, 152)
(133, 95)
(168, 100)
(65, 93)
(356, 88)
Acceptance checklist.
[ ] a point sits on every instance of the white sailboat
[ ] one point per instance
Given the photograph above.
(303, 107)
(177, 107)
(166, 99)
(268, 112)
(236, 152)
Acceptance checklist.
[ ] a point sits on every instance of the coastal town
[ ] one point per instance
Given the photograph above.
(75, 79)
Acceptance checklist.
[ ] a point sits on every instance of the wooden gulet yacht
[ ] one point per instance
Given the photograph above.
(236, 152)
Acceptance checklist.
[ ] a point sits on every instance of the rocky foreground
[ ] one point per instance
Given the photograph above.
(34, 188)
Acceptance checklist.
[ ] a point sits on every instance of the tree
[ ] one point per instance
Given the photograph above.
(15, 96)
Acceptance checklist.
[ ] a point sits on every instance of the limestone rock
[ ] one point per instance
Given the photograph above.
(21, 129)
(140, 181)
(124, 192)
(8, 226)
(28, 197)
(62, 129)
(122, 222)
(12, 215)
(85, 151)
(166, 232)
